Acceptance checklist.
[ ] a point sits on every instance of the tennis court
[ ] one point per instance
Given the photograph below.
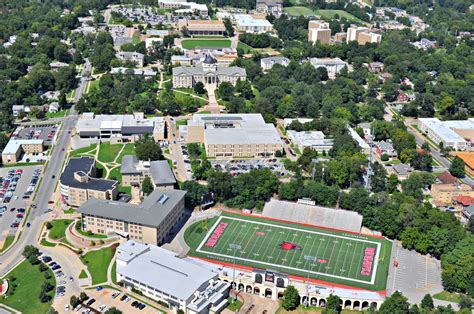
(328, 255)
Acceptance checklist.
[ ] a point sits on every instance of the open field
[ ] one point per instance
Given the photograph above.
(190, 43)
(305, 11)
(328, 255)
(29, 280)
(97, 263)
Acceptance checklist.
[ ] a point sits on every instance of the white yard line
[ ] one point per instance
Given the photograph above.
(374, 272)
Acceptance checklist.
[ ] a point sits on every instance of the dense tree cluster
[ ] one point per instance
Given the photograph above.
(260, 40)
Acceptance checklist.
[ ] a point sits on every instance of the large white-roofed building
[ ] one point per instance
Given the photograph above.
(160, 275)
(457, 134)
(313, 139)
(233, 135)
(121, 128)
(16, 148)
(247, 23)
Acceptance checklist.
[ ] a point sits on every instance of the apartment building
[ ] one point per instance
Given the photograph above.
(134, 171)
(14, 149)
(150, 222)
(202, 27)
(120, 128)
(79, 183)
(319, 31)
(456, 134)
(362, 35)
(161, 275)
(233, 135)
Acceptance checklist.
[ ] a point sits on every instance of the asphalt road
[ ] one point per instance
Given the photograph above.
(47, 186)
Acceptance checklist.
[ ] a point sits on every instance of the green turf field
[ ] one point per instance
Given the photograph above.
(192, 43)
(332, 256)
(305, 11)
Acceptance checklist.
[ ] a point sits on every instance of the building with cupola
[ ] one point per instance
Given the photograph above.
(208, 72)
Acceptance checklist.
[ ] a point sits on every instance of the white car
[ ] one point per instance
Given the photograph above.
(102, 308)
(78, 307)
(66, 307)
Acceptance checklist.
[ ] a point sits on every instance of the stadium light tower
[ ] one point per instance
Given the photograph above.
(310, 259)
(234, 247)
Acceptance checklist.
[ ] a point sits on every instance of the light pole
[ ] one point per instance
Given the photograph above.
(234, 247)
(309, 259)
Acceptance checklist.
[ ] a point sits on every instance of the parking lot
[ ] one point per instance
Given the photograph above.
(16, 189)
(236, 167)
(104, 298)
(43, 132)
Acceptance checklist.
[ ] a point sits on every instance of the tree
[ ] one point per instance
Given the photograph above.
(74, 301)
(225, 90)
(396, 303)
(113, 310)
(291, 298)
(457, 168)
(334, 305)
(147, 186)
(457, 266)
(427, 302)
(465, 302)
(30, 250)
(228, 27)
(147, 149)
(83, 296)
(199, 88)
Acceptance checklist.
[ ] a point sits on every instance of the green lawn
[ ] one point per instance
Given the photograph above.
(97, 263)
(448, 296)
(136, 39)
(128, 150)
(83, 150)
(192, 43)
(341, 13)
(59, 228)
(29, 281)
(114, 274)
(92, 235)
(47, 243)
(93, 85)
(246, 48)
(108, 152)
(59, 114)
(181, 98)
(8, 241)
(339, 255)
(83, 274)
(234, 307)
(299, 10)
(181, 122)
(115, 173)
(69, 211)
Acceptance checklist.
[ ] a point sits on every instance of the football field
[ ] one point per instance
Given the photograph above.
(328, 255)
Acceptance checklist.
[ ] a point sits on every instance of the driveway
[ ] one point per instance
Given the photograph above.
(105, 297)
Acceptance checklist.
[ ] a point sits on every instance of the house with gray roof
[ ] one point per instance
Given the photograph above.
(149, 222)
(138, 58)
(163, 276)
(209, 73)
(134, 171)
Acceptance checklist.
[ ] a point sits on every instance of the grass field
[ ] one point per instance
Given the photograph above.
(26, 296)
(108, 152)
(305, 11)
(191, 43)
(327, 255)
(8, 241)
(58, 231)
(97, 263)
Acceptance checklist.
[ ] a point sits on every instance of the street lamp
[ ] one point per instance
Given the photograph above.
(234, 247)
(310, 259)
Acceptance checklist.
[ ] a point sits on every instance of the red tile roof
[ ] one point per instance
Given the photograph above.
(463, 200)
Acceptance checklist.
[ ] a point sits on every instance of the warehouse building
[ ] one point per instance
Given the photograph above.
(120, 128)
(312, 139)
(134, 171)
(456, 134)
(150, 222)
(162, 276)
(79, 182)
(233, 135)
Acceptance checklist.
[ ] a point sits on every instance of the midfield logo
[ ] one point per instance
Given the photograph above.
(288, 246)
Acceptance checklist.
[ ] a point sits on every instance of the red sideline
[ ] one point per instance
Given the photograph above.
(303, 224)
(299, 278)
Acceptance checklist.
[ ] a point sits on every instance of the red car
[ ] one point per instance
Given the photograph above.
(51, 202)
(19, 215)
(62, 149)
(19, 171)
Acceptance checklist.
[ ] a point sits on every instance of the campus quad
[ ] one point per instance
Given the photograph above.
(334, 256)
